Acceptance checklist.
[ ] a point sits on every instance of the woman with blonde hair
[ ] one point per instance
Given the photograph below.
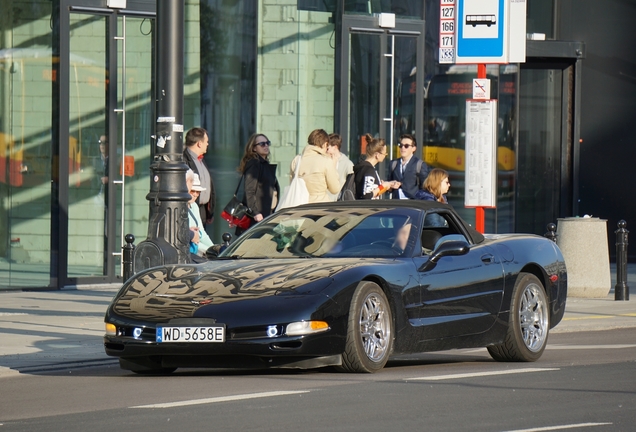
(435, 187)
(369, 185)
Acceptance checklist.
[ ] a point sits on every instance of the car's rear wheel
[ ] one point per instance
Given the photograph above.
(528, 325)
(369, 330)
(144, 366)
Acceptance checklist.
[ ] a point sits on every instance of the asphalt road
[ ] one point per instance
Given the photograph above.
(584, 381)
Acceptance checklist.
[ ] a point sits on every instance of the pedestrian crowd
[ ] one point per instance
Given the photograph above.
(320, 173)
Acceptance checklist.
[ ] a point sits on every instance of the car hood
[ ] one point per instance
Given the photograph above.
(164, 293)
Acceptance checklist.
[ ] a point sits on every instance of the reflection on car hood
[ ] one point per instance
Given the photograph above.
(163, 293)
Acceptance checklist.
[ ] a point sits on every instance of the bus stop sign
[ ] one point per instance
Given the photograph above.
(490, 31)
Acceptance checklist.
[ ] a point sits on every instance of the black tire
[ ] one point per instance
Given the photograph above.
(369, 330)
(144, 366)
(528, 325)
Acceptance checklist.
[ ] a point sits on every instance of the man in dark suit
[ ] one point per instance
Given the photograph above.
(409, 170)
(196, 145)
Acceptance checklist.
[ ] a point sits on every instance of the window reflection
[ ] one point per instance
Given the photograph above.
(401, 8)
(341, 232)
(27, 73)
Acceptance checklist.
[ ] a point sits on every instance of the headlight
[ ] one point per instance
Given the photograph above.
(111, 330)
(306, 327)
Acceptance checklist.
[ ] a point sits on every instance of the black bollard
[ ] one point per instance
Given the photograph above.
(129, 253)
(214, 251)
(551, 234)
(621, 290)
(226, 241)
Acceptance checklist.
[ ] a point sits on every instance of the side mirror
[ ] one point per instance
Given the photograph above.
(445, 248)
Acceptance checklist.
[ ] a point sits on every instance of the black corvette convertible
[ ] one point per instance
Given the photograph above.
(345, 285)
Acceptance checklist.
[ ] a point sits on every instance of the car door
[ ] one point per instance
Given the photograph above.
(460, 294)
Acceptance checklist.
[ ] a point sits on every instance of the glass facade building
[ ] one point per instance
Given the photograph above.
(77, 113)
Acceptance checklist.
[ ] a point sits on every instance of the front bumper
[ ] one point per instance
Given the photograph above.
(242, 347)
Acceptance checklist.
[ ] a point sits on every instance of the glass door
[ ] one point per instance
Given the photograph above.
(135, 120)
(381, 91)
(110, 126)
(90, 153)
(545, 150)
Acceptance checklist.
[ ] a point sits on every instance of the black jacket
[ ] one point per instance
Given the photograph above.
(260, 183)
(366, 179)
(209, 208)
(411, 179)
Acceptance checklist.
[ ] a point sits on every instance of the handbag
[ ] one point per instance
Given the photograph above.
(236, 213)
(296, 193)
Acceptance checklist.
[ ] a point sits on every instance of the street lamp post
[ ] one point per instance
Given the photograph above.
(168, 233)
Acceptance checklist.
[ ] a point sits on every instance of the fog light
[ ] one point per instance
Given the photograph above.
(272, 331)
(306, 327)
(137, 332)
(111, 330)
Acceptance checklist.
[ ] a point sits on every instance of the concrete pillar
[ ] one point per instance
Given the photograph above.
(583, 242)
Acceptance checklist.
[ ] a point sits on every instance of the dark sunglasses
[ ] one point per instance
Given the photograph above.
(405, 145)
(264, 143)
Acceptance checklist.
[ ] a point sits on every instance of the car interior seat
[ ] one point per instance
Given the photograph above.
(429, 238)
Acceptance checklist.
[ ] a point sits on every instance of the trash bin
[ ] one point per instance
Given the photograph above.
(583, 241)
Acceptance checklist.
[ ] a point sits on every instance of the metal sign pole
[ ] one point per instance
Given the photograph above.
(480, 213)
(168, 236)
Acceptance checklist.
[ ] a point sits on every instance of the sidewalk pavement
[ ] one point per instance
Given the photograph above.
(59, 330)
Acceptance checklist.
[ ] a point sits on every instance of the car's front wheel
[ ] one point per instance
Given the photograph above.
(528, 325)
(369, 330)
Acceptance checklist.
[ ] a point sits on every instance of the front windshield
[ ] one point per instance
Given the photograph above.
(334, 232)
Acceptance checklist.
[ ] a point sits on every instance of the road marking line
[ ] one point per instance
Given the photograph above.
(627, 315)
(12, 313)
(481, 374)
(570, 426)
(588, 347)
(221, 399)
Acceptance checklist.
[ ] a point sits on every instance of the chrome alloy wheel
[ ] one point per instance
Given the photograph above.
(375, 327)
(533, 317)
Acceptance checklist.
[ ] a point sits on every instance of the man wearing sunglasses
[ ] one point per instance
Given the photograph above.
(409, 170)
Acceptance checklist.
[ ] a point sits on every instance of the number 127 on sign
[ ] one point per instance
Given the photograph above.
(447, 12)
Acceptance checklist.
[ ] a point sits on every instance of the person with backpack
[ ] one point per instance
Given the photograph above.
(367, 181)
(344, 166)
(409, 170)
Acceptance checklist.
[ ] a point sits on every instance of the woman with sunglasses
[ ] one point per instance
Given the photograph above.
(260, 183)
(200, 241)
(409, 170)
(367, 180)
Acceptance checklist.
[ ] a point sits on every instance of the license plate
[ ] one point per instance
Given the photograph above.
(191, 334)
